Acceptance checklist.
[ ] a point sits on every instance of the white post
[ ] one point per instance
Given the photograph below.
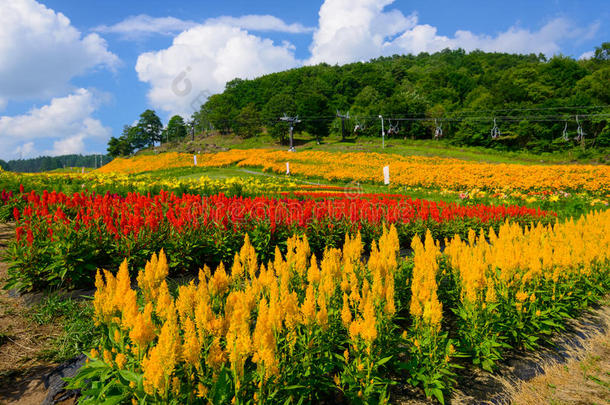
(287, 169)
(195, 159)
(382, 133)
(386, 175)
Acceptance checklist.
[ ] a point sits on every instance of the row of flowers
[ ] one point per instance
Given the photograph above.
(144, 183)
(404, 170)
(61, 239)
(297, 329)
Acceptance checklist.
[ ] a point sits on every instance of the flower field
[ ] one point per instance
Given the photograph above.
(405, 170)
(248, 288)
(122, 184)
(342, 329)
(61, 239)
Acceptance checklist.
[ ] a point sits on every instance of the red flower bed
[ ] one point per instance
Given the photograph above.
(62, 238)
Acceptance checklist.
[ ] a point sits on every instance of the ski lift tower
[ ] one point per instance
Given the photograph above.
(292, 121)
(343, 118)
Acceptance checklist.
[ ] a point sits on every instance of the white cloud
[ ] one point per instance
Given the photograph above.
(67, 146)
(65, 121)
(423, 38)
(362, 29)
(352, 30)
(143, 25)
(202, 59)
(261, 23)
(24, 151)
(587, 55)
(40, 51)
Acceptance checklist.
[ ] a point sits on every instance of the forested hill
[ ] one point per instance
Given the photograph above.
(46, 163)
(535, 101)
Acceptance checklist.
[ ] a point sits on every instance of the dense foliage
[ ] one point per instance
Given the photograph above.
(47, 163)
(533, 98)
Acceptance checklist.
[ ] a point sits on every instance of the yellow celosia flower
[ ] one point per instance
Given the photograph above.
(424, 301)
(191, 348)
(154, 274)
(308, 309)
(264, 341)
(346, 313)
(120, 361)
(143, 331)
(159, 365)
(108, 357)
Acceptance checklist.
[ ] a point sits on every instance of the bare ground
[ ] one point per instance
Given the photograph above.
(22, 343)
(584, 379)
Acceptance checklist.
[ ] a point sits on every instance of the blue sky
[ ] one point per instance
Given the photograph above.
(72, 73)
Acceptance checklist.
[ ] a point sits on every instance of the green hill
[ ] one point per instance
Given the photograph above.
(532, 99)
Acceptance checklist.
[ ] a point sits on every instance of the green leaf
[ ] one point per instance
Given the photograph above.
(383, 361)
(438, 394)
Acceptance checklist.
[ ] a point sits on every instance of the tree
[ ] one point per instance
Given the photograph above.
(602, 52)
(248, 122)
(221, 112)
(122, 145)
(149, 128)
(314, 105)
(276, 107)
(201, 119)
(176, 129)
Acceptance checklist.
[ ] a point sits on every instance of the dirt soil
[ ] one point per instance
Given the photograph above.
(22, 343)
(583, 379)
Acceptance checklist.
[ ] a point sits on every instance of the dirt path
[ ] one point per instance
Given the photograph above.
(22, 343)
(583, 379)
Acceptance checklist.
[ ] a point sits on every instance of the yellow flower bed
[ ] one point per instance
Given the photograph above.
(255, 331)
(404, 170)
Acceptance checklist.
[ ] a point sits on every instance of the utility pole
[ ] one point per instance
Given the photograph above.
(292, 121)
(382, 132)
(343, 118)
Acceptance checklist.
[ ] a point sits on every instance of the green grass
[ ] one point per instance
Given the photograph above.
(76, 319)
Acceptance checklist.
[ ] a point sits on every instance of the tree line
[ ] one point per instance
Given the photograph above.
(145, 133)
(46, 163)
(538, 103)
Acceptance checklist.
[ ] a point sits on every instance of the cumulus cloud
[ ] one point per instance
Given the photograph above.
(587, 55)
(202, 59)
(40, 51)
(423, 38)
(65, 121)
(143, 25)
(352, 30)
